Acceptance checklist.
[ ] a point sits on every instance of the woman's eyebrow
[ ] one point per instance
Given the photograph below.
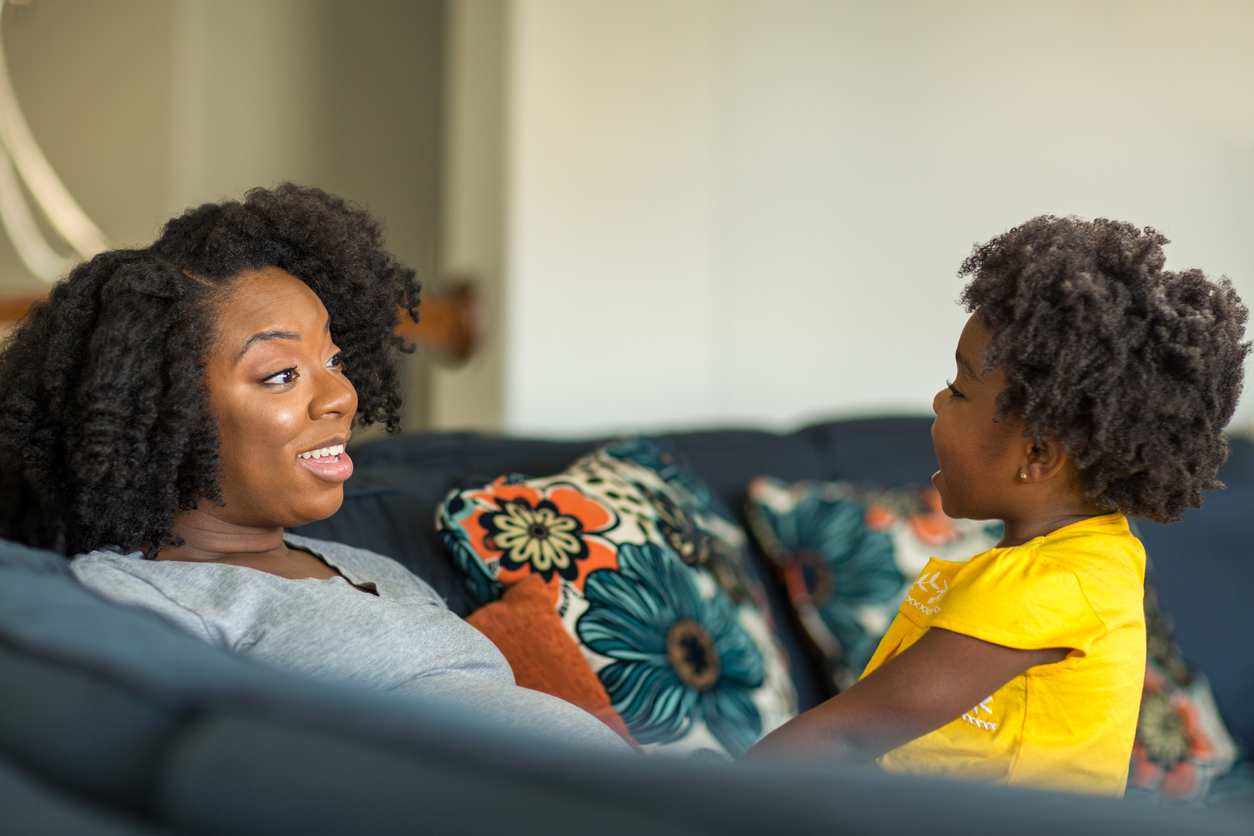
(274, 334)
(262, 336)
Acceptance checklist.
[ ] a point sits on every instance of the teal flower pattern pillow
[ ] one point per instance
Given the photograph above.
(847, 556)
(649, 574)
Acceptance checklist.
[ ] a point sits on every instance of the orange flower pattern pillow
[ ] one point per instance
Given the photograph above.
(649, 576)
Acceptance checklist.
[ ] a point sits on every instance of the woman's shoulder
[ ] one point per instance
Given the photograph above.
(161, 586)
(108, 562)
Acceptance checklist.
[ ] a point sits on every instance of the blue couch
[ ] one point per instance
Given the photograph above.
(114, 722)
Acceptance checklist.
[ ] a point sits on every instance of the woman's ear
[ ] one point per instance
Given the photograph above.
(1045, 458)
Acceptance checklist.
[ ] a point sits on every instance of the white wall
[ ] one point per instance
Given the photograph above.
(752, 212)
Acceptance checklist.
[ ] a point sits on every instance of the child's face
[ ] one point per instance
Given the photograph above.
(979, 457)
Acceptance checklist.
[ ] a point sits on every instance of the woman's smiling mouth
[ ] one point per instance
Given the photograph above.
(331, 463)
(322, 452)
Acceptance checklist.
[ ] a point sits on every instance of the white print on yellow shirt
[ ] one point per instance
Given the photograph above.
(928, 586)
(972, 716)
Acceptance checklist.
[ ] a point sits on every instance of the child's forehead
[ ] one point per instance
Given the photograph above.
(975, 338)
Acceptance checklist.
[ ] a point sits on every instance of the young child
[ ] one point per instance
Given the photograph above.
(1091, 385)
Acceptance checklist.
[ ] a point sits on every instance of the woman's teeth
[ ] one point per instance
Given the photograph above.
(322, 452)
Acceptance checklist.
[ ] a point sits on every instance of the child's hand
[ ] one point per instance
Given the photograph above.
(926, 686)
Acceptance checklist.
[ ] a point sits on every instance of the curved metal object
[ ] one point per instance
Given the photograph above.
(58, 206)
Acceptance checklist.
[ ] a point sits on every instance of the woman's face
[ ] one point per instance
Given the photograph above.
(281, 399)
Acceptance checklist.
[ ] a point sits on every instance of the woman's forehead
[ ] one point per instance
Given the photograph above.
(267, 300)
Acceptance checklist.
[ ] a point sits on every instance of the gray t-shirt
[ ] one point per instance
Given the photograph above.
(403, 640)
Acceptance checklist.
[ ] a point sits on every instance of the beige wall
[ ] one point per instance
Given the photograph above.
(145, 107)
(682, 212)
(94, 82)
(752, 211)
(247, 90)
(470, 396)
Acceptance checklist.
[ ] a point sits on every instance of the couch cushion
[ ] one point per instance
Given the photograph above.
(28, 806)
(81, 730)
(650, 577)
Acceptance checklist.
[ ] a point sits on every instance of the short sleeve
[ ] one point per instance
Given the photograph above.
(1023, 601)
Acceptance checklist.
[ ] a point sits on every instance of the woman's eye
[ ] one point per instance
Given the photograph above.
(282, 378)
(335, 362)
(952, 391)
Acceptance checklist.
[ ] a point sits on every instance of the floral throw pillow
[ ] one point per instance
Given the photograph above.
(1183, 752)
(848, 555)
(649, 575)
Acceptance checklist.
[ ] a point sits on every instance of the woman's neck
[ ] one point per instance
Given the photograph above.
(208, 538)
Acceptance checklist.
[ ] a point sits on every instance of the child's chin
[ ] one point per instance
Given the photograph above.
(950, 507)
(947, 503)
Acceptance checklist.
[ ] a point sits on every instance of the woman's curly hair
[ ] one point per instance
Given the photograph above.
(104, 413)
(1134, 369)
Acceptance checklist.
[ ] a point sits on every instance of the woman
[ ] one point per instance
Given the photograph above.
(169, 411)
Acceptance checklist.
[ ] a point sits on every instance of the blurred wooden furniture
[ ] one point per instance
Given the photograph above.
(447, 327)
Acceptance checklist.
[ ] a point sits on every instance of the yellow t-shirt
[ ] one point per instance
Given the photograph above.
(1066, 726)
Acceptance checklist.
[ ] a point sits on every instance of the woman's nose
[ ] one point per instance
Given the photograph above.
(335, 395)
(936, 401)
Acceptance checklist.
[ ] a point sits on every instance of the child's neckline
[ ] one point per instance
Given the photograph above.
(1097, 520)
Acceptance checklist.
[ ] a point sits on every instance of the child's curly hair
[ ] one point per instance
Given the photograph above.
(104, 414)
(1133, 369)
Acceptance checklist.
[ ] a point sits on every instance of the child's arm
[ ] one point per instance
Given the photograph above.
(928, 685)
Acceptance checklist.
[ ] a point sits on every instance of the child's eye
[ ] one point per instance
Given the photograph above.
(282, 378)
(952, 391)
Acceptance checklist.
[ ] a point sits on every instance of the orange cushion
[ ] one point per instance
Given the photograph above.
(524, 625)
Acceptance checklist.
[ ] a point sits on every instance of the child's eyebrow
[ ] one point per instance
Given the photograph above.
(962, 363)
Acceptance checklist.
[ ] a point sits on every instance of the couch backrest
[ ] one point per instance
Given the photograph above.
(1202, 565)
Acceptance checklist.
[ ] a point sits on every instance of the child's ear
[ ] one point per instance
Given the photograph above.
(1044, 459)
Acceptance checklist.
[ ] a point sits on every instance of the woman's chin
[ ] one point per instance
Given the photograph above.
(316, 508)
